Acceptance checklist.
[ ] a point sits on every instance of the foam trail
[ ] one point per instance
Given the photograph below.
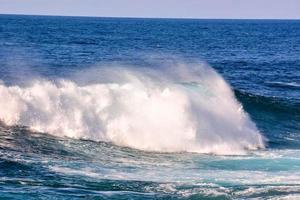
(185, 108)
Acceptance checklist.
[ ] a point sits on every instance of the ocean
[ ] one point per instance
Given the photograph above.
(123, 108)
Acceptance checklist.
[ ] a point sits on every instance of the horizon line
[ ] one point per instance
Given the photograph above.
(139, 17)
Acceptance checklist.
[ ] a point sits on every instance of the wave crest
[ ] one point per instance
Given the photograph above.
(183, 108)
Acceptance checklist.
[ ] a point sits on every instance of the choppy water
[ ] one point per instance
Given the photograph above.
(106, 108)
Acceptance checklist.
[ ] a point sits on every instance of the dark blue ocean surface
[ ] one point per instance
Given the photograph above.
(107, 108)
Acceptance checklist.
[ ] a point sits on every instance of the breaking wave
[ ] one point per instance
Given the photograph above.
(183, 108)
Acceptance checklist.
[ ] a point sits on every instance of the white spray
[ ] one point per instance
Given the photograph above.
(183, 108)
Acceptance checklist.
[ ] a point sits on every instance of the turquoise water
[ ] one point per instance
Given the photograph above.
(108, 108)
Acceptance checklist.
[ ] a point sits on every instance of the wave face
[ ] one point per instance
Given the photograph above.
(277, 118)
(183, 108)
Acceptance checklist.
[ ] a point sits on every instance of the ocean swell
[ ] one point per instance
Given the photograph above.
(183, 108)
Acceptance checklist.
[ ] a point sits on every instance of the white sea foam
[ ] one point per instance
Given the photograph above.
(183, 108)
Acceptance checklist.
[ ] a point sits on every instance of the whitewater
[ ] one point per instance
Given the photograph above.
(175, 109)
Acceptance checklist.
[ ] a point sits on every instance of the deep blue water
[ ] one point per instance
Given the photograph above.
(260, 59)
